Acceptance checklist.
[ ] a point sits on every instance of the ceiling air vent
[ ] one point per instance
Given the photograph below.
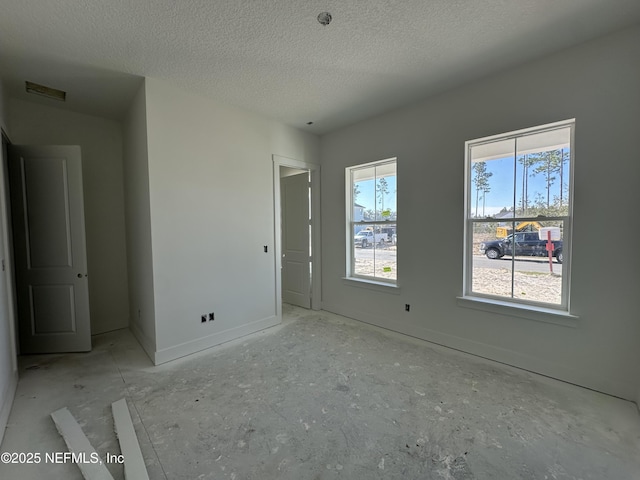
(45, 91)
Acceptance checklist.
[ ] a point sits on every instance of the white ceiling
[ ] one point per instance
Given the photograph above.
(273, 57)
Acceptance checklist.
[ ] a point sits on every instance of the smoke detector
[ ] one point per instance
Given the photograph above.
(324, 18)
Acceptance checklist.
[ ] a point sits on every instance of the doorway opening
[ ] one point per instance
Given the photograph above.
(297, 233)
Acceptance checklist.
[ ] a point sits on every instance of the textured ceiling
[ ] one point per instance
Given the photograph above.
(273, 57)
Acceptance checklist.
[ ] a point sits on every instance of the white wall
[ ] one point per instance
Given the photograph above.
(101, 143)
(211, 190)
(138, 220)
(8, 363)
(598, 84)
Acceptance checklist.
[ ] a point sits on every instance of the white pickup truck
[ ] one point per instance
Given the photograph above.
(366, 237)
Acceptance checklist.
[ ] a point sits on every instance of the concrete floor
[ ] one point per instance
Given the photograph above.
(323, 397)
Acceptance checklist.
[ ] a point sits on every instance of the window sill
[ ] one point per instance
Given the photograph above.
(372, 285)
(529, 312)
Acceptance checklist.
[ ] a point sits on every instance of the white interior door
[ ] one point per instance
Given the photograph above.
(47, 212)
(296, 272)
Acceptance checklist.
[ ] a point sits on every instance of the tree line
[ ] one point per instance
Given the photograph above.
(550, 165)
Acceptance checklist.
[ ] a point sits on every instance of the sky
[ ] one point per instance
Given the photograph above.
(367, 197)
(501, 184)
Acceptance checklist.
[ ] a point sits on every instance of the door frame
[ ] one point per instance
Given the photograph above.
(10, 388)
(5, 218)
(314, 170)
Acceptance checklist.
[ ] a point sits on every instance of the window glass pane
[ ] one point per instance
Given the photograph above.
(518, 265)
(374, 251)
(490, 273)
(386, 253)
(364, 195)
(492, 180)
(542, 176)
(386, 192)
(374, 193)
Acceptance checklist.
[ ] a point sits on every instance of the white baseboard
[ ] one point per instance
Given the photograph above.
(7, 401)
(197, 345)
(497, 354)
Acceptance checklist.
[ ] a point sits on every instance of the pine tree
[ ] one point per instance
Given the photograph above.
(382, 188)
(481, 181)
(549, 164)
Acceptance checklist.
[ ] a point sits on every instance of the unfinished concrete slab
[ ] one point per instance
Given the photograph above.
(324, 397)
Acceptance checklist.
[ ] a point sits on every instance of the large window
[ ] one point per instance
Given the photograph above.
(372, 237)
(518, 216)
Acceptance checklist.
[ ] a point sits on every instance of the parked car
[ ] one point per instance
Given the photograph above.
(390, 231)
(522, 244)
(366, 237)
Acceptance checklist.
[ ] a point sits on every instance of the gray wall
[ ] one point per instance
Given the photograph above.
(598, 83)
(101, 143)
(211, 207)
(138, 220)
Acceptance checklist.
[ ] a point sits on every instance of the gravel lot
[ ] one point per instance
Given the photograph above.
(535, 286)
(384, 257)
(540, 287)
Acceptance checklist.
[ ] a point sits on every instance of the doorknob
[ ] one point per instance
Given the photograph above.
(80, 275)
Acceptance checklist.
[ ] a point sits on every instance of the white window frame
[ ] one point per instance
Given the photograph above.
(501, 304)
(350, 225)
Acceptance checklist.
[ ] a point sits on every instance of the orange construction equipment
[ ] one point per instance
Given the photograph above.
(502, 232)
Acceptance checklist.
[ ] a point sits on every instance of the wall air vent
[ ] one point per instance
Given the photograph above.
(45, 91)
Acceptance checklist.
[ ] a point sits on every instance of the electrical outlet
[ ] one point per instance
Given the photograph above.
(212, 317)
(203, 318)
(407, 307)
